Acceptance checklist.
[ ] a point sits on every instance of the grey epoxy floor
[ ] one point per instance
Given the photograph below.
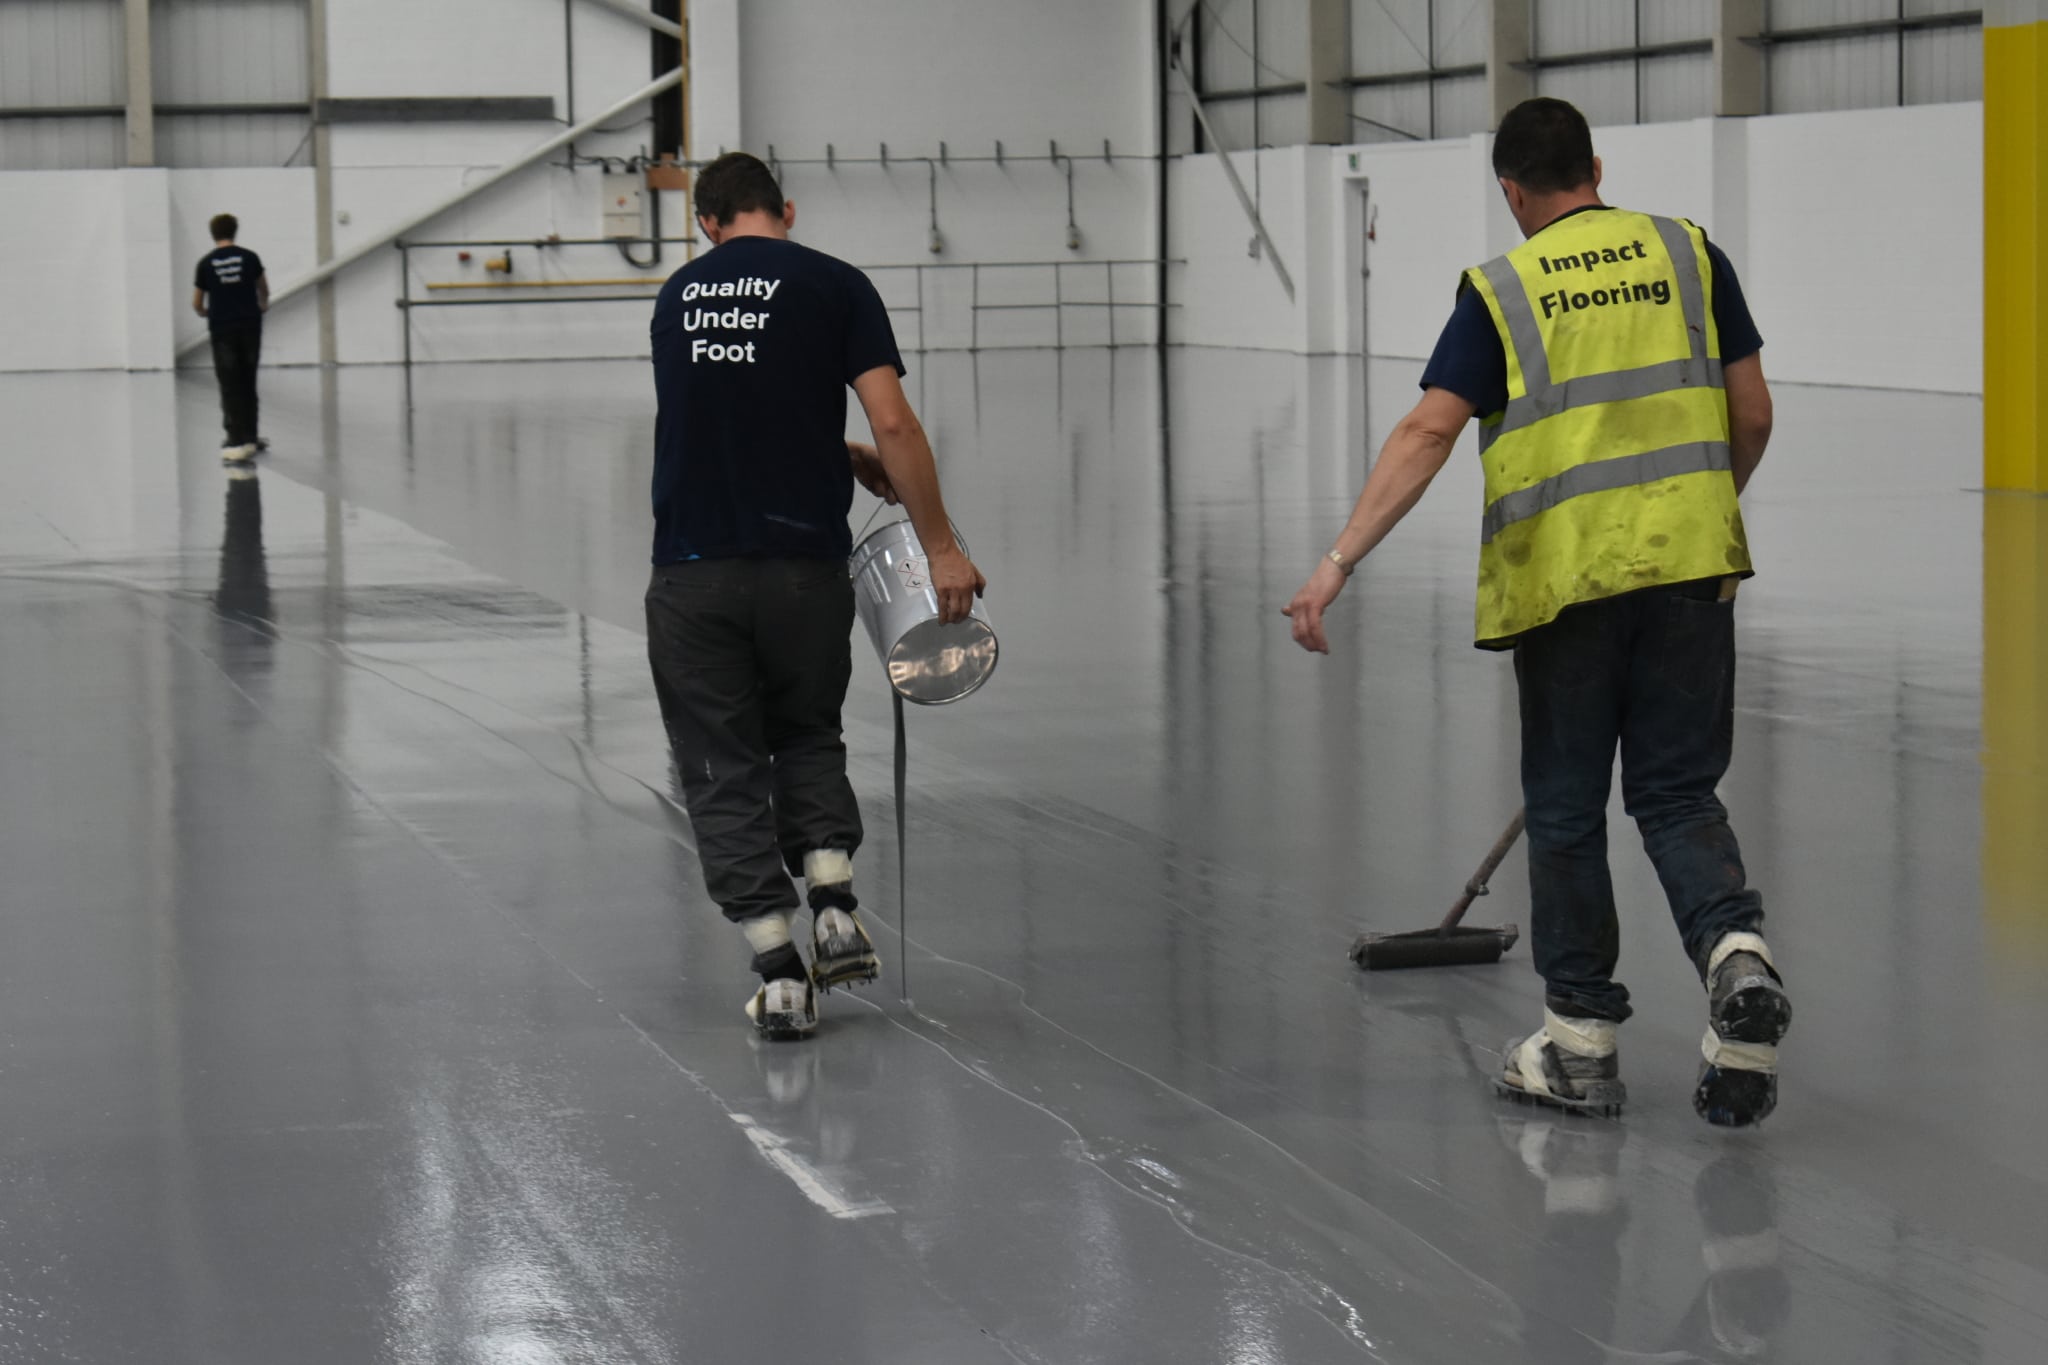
(359, 1000)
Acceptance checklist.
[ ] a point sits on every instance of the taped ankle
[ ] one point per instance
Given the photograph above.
(1731, 1056)
(828, 867)
(1744, 942)
(766, 933)
(1586, 1037)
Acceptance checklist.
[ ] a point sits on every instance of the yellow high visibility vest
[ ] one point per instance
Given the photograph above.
(1609, 469)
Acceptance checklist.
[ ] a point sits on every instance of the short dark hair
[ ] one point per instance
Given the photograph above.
(734, 184)
(1544, 145)
(223, 227)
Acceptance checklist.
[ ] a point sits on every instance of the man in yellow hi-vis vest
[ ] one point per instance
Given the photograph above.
(1615, 370)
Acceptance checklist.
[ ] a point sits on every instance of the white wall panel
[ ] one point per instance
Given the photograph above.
(1659, 169)
(221, 51)
(66, 52)
(1812, 258)
(969, 71)
(1785, 196)
(88, 258)
(67, 144)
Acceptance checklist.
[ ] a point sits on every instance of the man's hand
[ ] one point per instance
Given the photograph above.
(957, 583)
(867, 467)
(1309, 604)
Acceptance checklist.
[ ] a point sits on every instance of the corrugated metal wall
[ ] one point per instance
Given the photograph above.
(70, 53)
(230, 52)
(1399, 36)
(67, 54)
(1394, 36)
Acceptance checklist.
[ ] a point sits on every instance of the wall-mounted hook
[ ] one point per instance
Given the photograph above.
(999, 151)
(885, 153)
(1055, 154)
(1105, 150)
(829, 158)
(942, 153)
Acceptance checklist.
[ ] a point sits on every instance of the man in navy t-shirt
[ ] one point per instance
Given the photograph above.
(231, 292)
(750, 611)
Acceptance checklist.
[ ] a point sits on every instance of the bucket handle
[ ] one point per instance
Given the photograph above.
(862, 534)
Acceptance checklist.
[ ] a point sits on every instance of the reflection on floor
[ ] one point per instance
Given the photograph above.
(359, 1001)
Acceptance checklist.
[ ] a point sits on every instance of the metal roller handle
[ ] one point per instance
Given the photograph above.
(1478, 887)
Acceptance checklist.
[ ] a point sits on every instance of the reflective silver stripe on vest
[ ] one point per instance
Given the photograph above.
(1625, 471)
(1612, 387)
(1692, 297)
(1521, 320)
(1543, 399)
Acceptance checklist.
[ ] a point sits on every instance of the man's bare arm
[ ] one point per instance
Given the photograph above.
(199, 302)
(913, 476)
(263, 293)
(1415, 451)
(1749, 415)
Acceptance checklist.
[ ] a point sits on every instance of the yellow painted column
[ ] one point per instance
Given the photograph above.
(2016, 245)
(2016, 726)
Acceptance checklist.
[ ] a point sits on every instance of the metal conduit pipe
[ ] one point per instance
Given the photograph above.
(511, 168)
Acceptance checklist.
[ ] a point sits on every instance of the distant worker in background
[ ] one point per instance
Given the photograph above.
(231, 292)
(1616, 373)
(750, 612)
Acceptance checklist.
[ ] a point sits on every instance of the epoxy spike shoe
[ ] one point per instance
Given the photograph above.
(1571, 1064)
(1747, 1014)
(784, 1009)
(841, 952)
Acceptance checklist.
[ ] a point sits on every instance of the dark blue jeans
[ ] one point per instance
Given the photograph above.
(1652, 672)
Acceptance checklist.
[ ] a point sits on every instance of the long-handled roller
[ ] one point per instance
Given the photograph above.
(1449, 944)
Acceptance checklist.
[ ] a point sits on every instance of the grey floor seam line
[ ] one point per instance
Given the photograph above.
(1351, 1336)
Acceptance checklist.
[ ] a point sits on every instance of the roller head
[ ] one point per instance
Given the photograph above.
(1461, 947)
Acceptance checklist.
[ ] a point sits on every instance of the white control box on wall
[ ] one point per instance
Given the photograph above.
(624, 205)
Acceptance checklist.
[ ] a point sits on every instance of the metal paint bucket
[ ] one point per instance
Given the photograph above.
(927, 663)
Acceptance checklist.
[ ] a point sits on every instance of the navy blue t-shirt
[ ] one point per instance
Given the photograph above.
(755, 343)
(1470, 362)
(228, 275)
